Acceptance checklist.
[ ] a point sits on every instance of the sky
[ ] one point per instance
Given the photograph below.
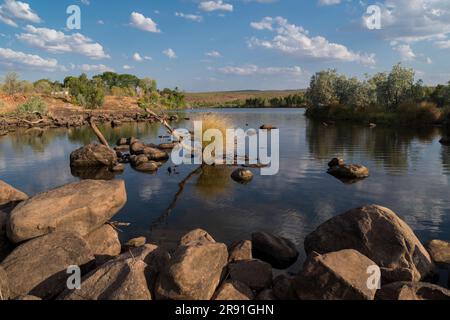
(220, 45)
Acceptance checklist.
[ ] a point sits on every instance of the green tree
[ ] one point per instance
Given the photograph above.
(11, 83)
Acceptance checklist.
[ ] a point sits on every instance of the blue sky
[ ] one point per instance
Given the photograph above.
(224, 44)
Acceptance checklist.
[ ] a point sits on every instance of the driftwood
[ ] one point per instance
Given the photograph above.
(97, 132)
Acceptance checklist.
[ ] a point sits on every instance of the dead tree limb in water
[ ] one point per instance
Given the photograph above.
(98, 133)
(164, 123)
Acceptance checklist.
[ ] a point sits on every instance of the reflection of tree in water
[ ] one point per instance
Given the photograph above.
(389, 147)
(214, 181)
(37, 139)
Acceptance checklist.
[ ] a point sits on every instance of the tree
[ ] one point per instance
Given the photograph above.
(400, 83)
(322, 88)
(11, 84)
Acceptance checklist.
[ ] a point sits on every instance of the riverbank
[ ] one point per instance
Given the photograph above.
(39, 243)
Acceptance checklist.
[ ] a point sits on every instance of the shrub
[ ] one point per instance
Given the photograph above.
(33, 104)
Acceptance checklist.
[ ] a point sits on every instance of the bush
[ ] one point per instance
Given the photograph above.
(86, 93)
(33, 104)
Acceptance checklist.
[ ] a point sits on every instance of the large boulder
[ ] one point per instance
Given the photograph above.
(10, 195)
(233, 290)
(379, 234)
(104, 243)
(283, 288)
(39, 267)
(5, 245)
(197, 235)
(281, 253)
(412, 291)
(194, 272)
(82, 206)
(339, 275)
(241, 250)
(4, 285)
(115, 280)
(93, 155)
(257, 275)
(440, 252)
(155, 154)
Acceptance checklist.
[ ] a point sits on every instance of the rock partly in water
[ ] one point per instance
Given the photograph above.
(39, 267)
(104, 243)
(194, 273)
(155, 154)
(93, 155)
(349, 172)
(120, 167)
(281, 253)
(4, 285)
(440, 252)
(10, 195)
(135, 243)
(257, 275)
(241, 250)
(148, 167)
(168, 146)
(197, 235)
(336, 162)
(268, 127)
(233, 290)
(242, 175)
(82, 206)
(341, 275)
(379, 234)
(116, 280)
(412, 291)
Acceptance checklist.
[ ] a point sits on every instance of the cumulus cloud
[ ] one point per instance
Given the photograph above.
(192, 17)
(23, 61)
(170, 53)
(139, 21)
(295, 40)
(251, 69)
(58, 42)
(406, 52)
(12, 10)
(138, 58)
(215, 5)
(96, 68)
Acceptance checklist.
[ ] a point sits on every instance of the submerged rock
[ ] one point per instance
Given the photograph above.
(256, 274)
(351, 171)
(194, 272)
(104, 243)
(242, 175)
(412, 291)
(281, 253)
(440, 252)
(10, 195)
(338, 275)
(93, 155)
(379, 234)
(82, 206)
(233, 290)
(39, 267)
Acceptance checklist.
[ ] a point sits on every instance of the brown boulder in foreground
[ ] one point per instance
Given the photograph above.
(93, 155)
(339, 275)
(195, 236)
(9, 194)
(412, 291)
(379, 234)
(4, 285)
(440, 252)
(281, 253)
(194, 272)
(104, 243)
(233, 290)
(241, 250)
(39, 267)
(82, 206)
(257, 275)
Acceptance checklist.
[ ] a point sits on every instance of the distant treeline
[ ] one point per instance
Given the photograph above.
(291, 101)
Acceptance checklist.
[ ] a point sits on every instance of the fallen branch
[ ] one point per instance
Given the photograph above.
(98, 133)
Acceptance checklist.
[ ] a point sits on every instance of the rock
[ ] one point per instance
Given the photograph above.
(116, 123)
(138, 160)
(28, 298)
(242, 175)
(268, 127)
(266, 295)
(283, 288)
(167, 146)
(197, 235)
(241, 250)
(338, 275)
(10, 195)
(379, 234)
(82, 206)
(336, 162)
(120, 167)
(135, 243)
(233, 290)
(122, 142)
(147, 167)
(440, 252)
(4, 285)
(254, 273)
(39, 266)
(412, 291)
(104, 243)
(194, 272)
(122, 149)
(351, 171)
(155, 154)
(445, 141)
(93, 155)
(281, 253)
(137, 147)
(115, 280)
(93, 173)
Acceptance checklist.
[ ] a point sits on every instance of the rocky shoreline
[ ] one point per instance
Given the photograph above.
(42, 236)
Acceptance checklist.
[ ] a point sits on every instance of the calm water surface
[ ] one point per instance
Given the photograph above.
(410, 173)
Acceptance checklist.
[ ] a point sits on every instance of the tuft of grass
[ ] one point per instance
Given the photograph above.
(218, 122)
(33, 104)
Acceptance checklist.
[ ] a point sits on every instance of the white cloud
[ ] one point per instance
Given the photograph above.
(215, 5)
(406, 52)
(57, 42)
(251, 69)
(11, 10)
(100, 68)
(138, 58)
(127, 67)
(445, 44)
(139, 21)
(192, 17)
(19, 60)
(213, 54)
(170, 53)
(329, 2)
(295, 40)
